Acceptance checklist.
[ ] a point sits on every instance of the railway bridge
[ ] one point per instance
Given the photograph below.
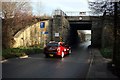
(66, 27)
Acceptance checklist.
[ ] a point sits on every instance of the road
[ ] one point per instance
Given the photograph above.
(75, 65)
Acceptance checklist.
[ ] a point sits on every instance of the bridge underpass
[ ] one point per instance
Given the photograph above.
(74, 38)
(67, 27)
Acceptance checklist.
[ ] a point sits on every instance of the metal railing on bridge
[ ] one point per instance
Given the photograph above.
(59, 12)
(71, 13)
(78, 13)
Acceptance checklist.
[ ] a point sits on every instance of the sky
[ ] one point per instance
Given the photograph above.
(48, 6)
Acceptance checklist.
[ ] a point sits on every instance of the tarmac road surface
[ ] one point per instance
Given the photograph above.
(75, 65)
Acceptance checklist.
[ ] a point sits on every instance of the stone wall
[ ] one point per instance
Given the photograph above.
(107, 33)
(117, 61)
(108, 38)
(96, 36)
(61, 26)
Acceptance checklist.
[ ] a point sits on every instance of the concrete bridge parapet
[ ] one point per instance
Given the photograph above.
(70, 18)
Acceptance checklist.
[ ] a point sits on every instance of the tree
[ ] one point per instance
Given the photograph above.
(99, 7)
(16, 16)
(9, 9)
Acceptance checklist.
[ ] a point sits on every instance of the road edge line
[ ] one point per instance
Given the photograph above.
(91, 62)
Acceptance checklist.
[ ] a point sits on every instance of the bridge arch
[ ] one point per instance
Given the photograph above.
(75, 25)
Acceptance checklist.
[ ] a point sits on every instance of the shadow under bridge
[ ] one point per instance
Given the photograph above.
(73, 38)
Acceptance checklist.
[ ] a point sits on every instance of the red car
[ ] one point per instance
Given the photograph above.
(56, 49)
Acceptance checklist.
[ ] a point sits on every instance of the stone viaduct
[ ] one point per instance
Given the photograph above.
(67, 27)
(61, 28)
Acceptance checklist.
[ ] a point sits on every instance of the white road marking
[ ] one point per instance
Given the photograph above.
(3, 61)
(24, 56)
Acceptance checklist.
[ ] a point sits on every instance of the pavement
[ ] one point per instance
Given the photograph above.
(98, 67)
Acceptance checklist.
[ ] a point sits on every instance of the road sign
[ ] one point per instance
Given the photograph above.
(56, 34)
(46, 33)
(42, 24)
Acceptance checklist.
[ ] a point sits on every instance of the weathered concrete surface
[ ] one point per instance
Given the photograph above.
(61, 26)
(96, 31)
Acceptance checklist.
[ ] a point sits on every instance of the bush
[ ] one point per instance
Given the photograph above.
(106, 52)
(17, 52)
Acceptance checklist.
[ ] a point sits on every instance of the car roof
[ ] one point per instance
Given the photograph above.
(53, 42)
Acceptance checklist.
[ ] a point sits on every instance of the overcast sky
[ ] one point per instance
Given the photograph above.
(48, 6)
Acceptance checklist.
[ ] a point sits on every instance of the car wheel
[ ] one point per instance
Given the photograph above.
(62, 54)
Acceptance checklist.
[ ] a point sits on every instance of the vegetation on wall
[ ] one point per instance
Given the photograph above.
(107, 52)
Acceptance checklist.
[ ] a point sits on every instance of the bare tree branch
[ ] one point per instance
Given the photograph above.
(101, 6)
(9, 9)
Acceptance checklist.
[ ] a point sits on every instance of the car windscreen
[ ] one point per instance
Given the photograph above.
(53, 45)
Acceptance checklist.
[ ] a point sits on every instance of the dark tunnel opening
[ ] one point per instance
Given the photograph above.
(73, 38)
